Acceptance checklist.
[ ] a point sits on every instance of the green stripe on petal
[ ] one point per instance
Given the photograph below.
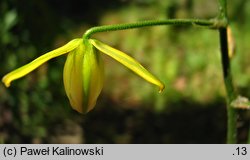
(72, 78)
(83, 77)
(93, 76)
(22, 71)
(127, 61)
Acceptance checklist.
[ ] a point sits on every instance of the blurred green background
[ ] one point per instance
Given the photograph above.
(192, 108)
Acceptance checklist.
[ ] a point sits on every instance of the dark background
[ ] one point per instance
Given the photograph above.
(192, 108)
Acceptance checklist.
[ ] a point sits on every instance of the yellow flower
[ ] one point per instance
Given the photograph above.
(83, 70)
(83, 77)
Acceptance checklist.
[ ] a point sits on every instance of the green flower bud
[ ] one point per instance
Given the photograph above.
(83, 77)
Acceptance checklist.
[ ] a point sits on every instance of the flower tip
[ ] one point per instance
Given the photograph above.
(5, 81)
(162, 87)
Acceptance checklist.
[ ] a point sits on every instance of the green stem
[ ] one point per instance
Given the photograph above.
(223, 8)
(231, 94)
(228, 81)
(248, 141)
(207, 23)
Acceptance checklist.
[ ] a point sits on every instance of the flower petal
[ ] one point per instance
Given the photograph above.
(83, 77)
(93, 76)
(128, 61)
(22, 71)
(72, 77)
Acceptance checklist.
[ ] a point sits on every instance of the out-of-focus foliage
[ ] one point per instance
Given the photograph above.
(190, 110)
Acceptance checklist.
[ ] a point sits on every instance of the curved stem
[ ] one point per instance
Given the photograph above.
(107, 28)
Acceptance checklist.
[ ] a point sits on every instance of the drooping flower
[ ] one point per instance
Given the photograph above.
(83, 70)
(83, 77)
